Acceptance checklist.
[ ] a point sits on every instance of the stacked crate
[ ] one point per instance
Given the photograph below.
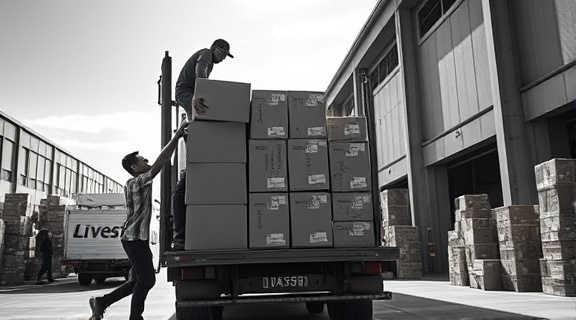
(51, 216)
(17, 233)
(351, 185)
(2, 232)
(216, 195)
(397, 231)
(308, 171)
(268, 202)
(556, 184)
(473, 244)
(520, 247)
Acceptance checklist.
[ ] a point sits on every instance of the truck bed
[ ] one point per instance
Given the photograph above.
(252, 256)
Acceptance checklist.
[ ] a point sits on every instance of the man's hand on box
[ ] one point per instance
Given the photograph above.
(200, 105)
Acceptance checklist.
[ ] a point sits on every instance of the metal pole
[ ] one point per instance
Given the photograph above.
(165, 175)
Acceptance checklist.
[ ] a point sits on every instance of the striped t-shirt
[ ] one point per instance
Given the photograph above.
(138, 193)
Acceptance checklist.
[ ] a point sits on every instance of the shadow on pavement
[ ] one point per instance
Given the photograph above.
(401, 307)
(64, 285)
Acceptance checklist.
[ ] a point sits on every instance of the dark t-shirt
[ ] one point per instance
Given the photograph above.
(198, 66)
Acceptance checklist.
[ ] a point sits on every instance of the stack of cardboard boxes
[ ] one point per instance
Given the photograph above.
(216, 197)
(520, 248)
(397, 231)
(279, 166)
(556, 184)
(17, 236)
(51, 216)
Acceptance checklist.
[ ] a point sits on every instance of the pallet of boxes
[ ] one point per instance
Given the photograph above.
(556, 184)
(268, 174)
(397, 231)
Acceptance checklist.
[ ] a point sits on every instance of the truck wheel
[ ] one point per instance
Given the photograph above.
(355, 309)
(84, 279)
(315, 307)
(100, 279)
(199, 313)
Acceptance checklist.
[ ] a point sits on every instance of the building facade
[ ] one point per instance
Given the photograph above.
(465, 97)
(32, 164)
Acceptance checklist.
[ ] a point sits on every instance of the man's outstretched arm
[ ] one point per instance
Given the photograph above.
(166, 153)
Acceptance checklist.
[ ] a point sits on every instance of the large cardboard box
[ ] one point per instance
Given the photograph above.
(353, 206)
(308, 164)
(216, 227)
(215, 141)
(311, 219)
(226, 100)
(347, 129)
(307, 114)
(216, 183)
(269, 118)
(354, 234)
(269, 220)
(267, 168)
(350, 167)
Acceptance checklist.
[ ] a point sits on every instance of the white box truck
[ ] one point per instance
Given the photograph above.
(93, 231)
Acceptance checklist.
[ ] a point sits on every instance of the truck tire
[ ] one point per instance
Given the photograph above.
(199, 313)
(100, 279)
(84, 279)
(315, 307)
(355, 309)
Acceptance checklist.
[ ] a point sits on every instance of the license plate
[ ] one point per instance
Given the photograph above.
(285, 282)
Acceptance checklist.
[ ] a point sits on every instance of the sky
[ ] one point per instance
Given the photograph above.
(83, 73)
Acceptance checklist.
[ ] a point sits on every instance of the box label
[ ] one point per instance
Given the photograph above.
(275, 98)
(318, 178)
(354, 149)
(314, 99)
(275, 239)
(358, 229)
(312, 147)
(317, 201)
(358, 203)
(358, 182)
(276, 132)
(316, 131)
(318, 237)
(351, 129)
(275, 183)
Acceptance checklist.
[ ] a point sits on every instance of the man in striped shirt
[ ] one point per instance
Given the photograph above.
(138, 193)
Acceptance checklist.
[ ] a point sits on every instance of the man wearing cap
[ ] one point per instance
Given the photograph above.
(199, 65)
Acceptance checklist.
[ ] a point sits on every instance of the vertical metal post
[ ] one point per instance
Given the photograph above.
(368, 108)
(165, 175)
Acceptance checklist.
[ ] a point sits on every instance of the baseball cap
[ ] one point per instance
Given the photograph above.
(223, 45)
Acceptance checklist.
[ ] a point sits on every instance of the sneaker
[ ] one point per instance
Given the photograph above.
(97, 308)
(39, 283)
(51, 280)
(178, 244)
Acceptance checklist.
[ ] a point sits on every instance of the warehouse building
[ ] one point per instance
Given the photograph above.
(33, 164)
(466, 97)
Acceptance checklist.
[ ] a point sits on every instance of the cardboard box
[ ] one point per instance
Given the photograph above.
(311, 219)
(347, 129)
(269, 220)
(226, 100)
(354, 234)
(216, 227)
(216, 183)
(267, 168)
(350, 167)
(215, 141)
(269, 116)
(308, 163)
(307, 114)
(352, 206)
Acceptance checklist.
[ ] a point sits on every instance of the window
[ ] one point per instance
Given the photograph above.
(385, 67)
(23, 165)
(7, 159)
(431, 12)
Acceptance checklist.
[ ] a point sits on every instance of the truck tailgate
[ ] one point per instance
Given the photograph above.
(230, 257)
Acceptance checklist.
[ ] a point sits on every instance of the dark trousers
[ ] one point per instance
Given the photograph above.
(179, 208)
(45, 268)
(142, 278)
